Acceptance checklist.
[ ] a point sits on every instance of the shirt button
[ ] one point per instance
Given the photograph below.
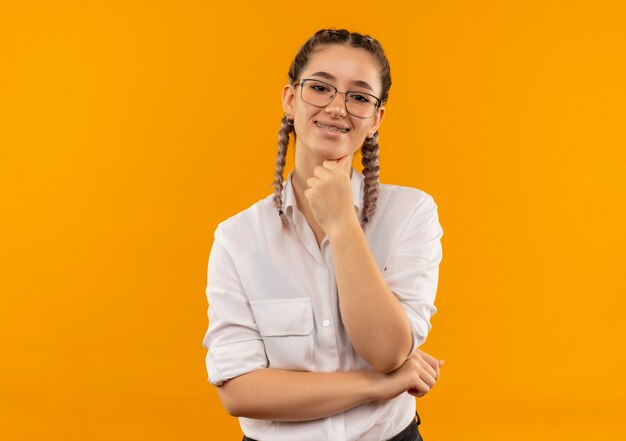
(326, 323)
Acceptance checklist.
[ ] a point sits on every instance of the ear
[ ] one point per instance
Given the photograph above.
(288, 98)
(377, 119)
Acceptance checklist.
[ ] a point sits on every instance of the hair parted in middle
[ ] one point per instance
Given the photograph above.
(369, 149)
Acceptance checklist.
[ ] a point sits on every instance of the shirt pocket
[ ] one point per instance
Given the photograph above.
(286, 326)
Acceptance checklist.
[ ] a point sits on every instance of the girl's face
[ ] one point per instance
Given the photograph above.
(346, 68)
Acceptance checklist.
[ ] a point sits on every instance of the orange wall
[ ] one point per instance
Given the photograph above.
(129, 129)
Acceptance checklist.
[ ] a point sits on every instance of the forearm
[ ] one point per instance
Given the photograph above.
(376, 323)
(284, 395)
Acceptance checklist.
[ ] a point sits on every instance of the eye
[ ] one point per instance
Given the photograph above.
(319, 87)
(360, 98)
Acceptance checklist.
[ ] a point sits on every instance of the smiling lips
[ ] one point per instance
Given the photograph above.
(332, 128)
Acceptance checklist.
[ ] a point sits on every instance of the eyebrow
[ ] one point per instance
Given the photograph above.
(331, 77)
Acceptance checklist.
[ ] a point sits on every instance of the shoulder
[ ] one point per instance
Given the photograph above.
(249, 224)
(408, 200)
(410, 216)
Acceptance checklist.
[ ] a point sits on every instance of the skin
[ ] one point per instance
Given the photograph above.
(372, 314)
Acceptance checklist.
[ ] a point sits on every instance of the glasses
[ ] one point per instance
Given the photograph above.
(320, 94)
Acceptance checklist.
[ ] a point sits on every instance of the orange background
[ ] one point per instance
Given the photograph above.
(129, 129)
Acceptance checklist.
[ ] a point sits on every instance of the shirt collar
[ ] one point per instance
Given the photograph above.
(357, 180)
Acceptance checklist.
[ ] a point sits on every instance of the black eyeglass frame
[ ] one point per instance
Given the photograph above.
(301, 82)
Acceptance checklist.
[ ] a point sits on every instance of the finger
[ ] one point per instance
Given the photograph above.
(433, 362)
(416, 393)
(440, 363)
(327, 163)
(344, 160)
(430, 359)
(428, 368)
(429, 378)
(339, 161)
(421, 387)
(421, 358)
(320, 170)
(330, 164)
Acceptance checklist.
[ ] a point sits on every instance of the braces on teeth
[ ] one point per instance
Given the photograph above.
(334, 129)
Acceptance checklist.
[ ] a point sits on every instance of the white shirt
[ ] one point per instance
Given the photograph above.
(273, 302)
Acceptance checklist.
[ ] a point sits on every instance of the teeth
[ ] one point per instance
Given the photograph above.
(331, 128)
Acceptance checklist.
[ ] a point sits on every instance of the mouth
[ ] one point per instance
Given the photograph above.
(331, 128)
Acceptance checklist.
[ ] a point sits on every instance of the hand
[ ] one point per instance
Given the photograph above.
(417, 376)
(329, 193)
(433, 363)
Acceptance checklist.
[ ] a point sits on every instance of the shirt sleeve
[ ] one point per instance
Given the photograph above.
(412, 271)
(233, 343)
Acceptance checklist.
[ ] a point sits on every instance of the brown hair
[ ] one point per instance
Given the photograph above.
(369, 149)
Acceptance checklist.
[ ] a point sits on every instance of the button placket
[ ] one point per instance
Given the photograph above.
(334, 361)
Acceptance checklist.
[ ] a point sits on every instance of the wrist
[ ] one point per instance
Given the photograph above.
(343, 228)
(374, 385)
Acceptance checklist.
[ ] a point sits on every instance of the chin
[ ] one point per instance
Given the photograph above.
(334, 155)
(330, 151)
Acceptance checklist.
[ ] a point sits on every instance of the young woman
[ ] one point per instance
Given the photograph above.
(321, 293)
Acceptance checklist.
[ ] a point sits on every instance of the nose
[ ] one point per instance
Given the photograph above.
(337, 105)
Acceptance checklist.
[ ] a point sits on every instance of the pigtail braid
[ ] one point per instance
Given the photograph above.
(286, 127)
(371, 171)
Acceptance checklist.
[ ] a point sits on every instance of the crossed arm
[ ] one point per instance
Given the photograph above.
(285, 395)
